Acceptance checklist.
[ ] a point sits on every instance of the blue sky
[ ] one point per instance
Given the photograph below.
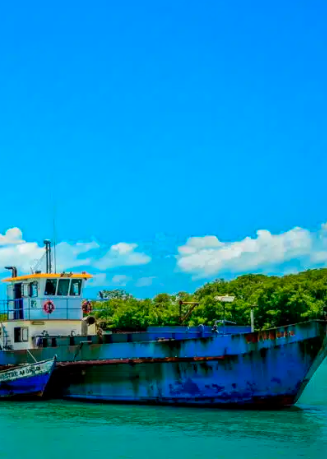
(148, 123)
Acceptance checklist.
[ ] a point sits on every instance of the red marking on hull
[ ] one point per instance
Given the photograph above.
(269, 335)
(251, 338)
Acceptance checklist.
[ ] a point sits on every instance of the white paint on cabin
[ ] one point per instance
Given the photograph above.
(23, 334)
(63, 293)
(27, 317)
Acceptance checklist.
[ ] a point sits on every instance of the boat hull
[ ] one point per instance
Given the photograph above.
(268, 374)
(262, 369)
(27, 381)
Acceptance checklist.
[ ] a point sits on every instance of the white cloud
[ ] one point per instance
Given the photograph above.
(11, 236)
(207, 256)
(122, 254)
(22, 255)
(15, 251)
(120, 279)
(73, 255)
(144, 281)
(26, 255)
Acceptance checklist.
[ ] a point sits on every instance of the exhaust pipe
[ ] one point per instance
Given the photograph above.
(13, 270)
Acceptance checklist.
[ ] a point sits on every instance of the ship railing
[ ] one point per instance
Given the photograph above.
(68, 308)
(28, 308)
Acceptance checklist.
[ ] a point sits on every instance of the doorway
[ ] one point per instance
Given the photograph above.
(18, 302)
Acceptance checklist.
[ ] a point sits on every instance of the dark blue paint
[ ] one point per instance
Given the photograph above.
(27, 380)
(24, 386)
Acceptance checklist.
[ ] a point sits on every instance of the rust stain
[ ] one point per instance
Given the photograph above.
(140, 360)
(251, 337)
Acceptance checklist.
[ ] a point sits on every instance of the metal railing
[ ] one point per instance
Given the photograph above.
(41, 309)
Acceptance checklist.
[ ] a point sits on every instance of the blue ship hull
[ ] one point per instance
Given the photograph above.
(27, 381)
(262, 369)
(269, 369)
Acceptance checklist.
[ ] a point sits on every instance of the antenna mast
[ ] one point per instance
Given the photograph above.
(47, 244)
(54, 240)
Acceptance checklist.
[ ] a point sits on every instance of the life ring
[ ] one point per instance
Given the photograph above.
(86, 307)
(49, 307)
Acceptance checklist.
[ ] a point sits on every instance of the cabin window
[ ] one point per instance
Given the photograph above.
(20, 334)
(33, 289)
(50, 287)
(75, 287)
(63, 287)
(25, 290)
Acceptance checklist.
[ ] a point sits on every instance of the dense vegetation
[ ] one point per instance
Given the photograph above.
(277, 300)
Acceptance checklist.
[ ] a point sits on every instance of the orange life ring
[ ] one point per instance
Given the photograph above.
(49, 307)
(86, 307)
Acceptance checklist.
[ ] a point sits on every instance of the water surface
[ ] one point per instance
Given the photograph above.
(58, 430)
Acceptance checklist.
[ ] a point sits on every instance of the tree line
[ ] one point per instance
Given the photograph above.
(275, 301)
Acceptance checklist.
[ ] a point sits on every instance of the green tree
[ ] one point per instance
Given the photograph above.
(276, 301)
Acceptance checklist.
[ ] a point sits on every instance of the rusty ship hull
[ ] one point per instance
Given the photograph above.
(266, 369)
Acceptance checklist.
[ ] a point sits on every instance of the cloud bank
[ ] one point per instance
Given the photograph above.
(207, 256)
(15, 251)
(200, 257)
(122, 254)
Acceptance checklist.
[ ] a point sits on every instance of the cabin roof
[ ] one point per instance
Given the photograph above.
(48, 276)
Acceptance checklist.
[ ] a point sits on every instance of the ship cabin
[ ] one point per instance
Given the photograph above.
(41, 307)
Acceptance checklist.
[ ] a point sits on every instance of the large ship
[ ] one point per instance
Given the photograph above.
(42, 316)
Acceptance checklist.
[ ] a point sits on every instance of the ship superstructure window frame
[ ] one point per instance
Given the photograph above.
(75, 283)
(61, 290)
(25, 290)
(34, 289)
(21, 334)
(50, 291)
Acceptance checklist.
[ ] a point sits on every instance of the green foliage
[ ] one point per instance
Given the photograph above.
(277, 301)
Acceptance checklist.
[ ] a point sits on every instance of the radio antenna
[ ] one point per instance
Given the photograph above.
(54, 239)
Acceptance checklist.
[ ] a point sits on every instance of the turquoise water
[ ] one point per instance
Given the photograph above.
(59, 430)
